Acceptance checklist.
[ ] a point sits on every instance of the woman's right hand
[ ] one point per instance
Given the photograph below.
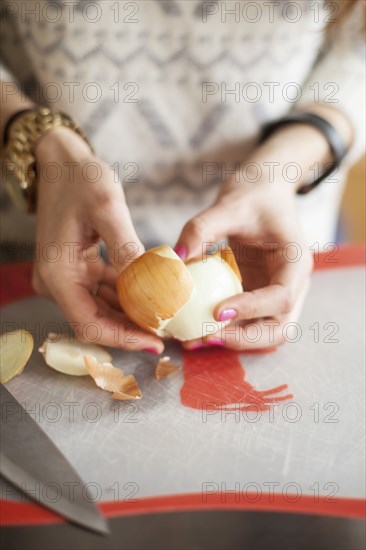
(79, 203)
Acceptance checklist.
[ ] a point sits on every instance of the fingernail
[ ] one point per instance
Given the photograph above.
(151, 350)
(198, 345)
(215, 342)
(181, 251)
(227, 314)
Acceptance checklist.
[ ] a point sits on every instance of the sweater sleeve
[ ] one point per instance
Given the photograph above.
(338, 79)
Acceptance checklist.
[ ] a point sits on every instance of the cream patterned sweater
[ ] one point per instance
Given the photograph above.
(174, 92)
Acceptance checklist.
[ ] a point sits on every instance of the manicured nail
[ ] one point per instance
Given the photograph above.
(151, 350)
(227, 314)
(215, 342)
(197, 345)
(181, 251)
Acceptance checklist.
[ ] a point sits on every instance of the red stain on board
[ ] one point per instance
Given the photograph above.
(216, 379)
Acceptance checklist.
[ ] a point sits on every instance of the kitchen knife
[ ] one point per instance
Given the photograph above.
(31, 462)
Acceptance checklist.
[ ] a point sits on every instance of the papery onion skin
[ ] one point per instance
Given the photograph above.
(165, 367)
(111, 379)
(154, 287)
(164, 296)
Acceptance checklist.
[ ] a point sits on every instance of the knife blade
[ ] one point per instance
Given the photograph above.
(33, 463)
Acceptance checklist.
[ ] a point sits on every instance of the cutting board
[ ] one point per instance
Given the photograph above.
(311, 446)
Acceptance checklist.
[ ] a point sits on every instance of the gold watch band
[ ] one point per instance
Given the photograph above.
(19, 162)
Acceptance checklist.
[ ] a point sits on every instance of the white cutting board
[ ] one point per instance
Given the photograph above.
(160, 447)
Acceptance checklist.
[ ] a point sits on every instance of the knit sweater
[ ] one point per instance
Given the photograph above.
(173, 93)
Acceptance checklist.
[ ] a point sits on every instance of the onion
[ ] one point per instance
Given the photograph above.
(15, 350)
(67, 355)
(163, 295)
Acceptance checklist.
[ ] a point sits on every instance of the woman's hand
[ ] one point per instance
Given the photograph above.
(262, 225)
(80, 202)
(261, 222)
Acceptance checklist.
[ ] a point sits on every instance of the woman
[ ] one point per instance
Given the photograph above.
(174, 96)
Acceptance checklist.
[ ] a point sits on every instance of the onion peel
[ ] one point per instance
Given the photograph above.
(15, 350)
(165, 367)
(170, 298)
(227, 255)
(148, 300)
(109, 378)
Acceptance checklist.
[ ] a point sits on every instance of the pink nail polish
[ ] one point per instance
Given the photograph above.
(198, 345)
(181, 251)
(151, 350)
(227, 314)
(215, 342)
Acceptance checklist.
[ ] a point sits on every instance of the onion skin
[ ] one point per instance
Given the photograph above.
(215, 280)
(154, 287)
(163, 295)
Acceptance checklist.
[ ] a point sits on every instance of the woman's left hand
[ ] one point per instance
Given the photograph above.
(261, 223)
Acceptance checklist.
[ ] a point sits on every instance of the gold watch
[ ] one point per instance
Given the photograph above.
(19, 162)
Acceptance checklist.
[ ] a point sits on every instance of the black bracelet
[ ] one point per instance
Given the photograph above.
(10, 122)
(336, 144)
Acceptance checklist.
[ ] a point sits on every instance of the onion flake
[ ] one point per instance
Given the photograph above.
(111, 379)
(165, 367)
(15, 351)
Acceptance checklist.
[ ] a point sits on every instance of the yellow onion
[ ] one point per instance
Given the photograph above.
(163, 295)
(15, 351)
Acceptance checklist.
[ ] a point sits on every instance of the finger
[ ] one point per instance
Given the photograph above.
(114, 225)
(102, 279)
(109, 276)
(240, 336)
(202, 230)
(278, 298)
(264, 302)
(38, 285)
(98, 270)
(109, 295)
(132, 332)
(293, 274)
(262, 333)
(92, 321)
(206, 341)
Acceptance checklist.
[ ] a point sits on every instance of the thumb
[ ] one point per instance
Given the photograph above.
(203, 230)
(114, 225)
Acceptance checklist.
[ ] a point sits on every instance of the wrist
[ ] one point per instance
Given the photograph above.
(60, 143)
(290, 158)
(315, 141)
(36, 137)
